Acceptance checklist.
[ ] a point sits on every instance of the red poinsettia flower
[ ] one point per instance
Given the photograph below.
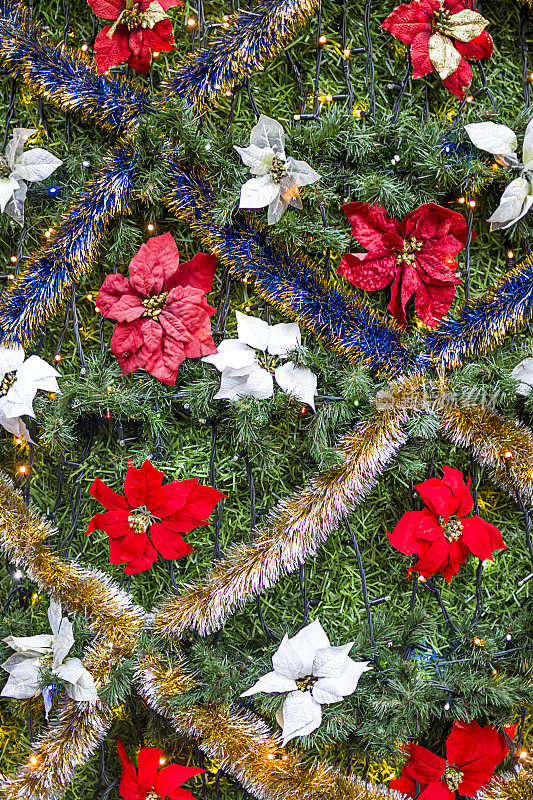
(150, 781)
(472, 754)
(164, 512)
(442, 535)
(416, 255)
(442, 34)
(161, 311)
(140, 28)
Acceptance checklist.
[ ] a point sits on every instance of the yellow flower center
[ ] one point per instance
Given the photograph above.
(133, 18)
(407, 254)
(7, 382)
(306, 683)
(5, 169)
(154, 305)
(452, 778)
(140, 519)
(278, 171)
(453, 529)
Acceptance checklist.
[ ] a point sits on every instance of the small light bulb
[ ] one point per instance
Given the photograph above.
(357, 112)
(523, 754)
(18, 440)
(22, 469)
(303, 410)
(507, 454)
(162, 761)
(495, 167)
(510, 254)
(494, 671)
(47, 234)
(84, 47)
(531, 76)
(109, 388)
(86, 163)
(228, 93)
(108, 414)
(285, 757)
(508, 637)
(89, 297)
(57, 357)
(97, 309)
(296, 117)
(472, 203)
(34, 760)
(478, 642)
(270, 756)
(469, 99)
(447, 706)
(13, 259)
(421, 579)
(322, 39)
(155, 53)
(17, 574)
(347, 52)
(150, 226)
(225, 24)
(191, 22)
(328, 98)
(461, 200)
(208, 146)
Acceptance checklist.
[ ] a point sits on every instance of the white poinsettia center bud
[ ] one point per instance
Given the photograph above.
(306, 683)
(408, 251)
(7, 382)
(453, 529)
(5, 169)
(452, 778)
(154, 305)
(140, 519)
(133, 18)
(278, 171)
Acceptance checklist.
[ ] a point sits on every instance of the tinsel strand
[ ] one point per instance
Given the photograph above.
(71, 252)
(253, 37)
(509, 787)
(293, 532)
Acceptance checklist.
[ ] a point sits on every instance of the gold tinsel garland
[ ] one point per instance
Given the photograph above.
(239, 740)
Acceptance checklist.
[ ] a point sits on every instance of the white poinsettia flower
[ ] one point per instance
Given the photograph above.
(49, 650)
(523, 372)
(501, 141)
(17, 167)
(242, 373)
(279, 178)
(19, 382)
(314, 673)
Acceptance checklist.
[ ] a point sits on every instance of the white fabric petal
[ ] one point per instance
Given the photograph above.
(269, 133)
(271, 682)
(16, 426)
(334, 689)
(294, 657)
(527, 149)
(300, 383)
(515, 202)
(232, 354)
(523, 372)
(256, 383)
(283, 338)
(55, 615)
(301, 715)
(81, 683)
(40, 373)
(329, 661)
(15, 206)
(494, 138)
(63, 642)
(258, 192)
(35, 165)
(8, 187)
(21, 689)
(18, 400)
(276, 209)
(301, 173)
(11, 358)
(15, 146)
(30, 645)
(259, 159)
(253, 331)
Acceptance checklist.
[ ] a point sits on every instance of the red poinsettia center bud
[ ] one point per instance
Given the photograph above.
(7, 382)
(453, 529)
(407, 254)
(140, 519)
(133, 18)
(278, 171)
(152, 796)
(452, 778)
(306, 683)
(154, 305)
(442, 19)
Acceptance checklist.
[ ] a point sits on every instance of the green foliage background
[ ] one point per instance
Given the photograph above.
(173, 425)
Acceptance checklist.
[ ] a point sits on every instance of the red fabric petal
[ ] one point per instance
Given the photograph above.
(143, 486)
(108, 9)
(147, 274)
(141, 55)
(161, 36)
(403, 784)
(480, 47)
(407, 21)
(420, 54)
(147, 766)
(403, 537)
(114, 523)
(369, 272)
(461, 502)
(434, 557)
(202, 500)
(118, 300)
(433, 222)
(437, 496)
(170, 544)
(166, 4)
(171, 777)
(198, 273)
(106, 496)
(111, 52)
(481, 537)
(142, 562)
(476, 751)
(372, 227)
(126, 346)
(423, 765)
(460, 80)
(129, 785)
(436, 791)
(175, 496)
